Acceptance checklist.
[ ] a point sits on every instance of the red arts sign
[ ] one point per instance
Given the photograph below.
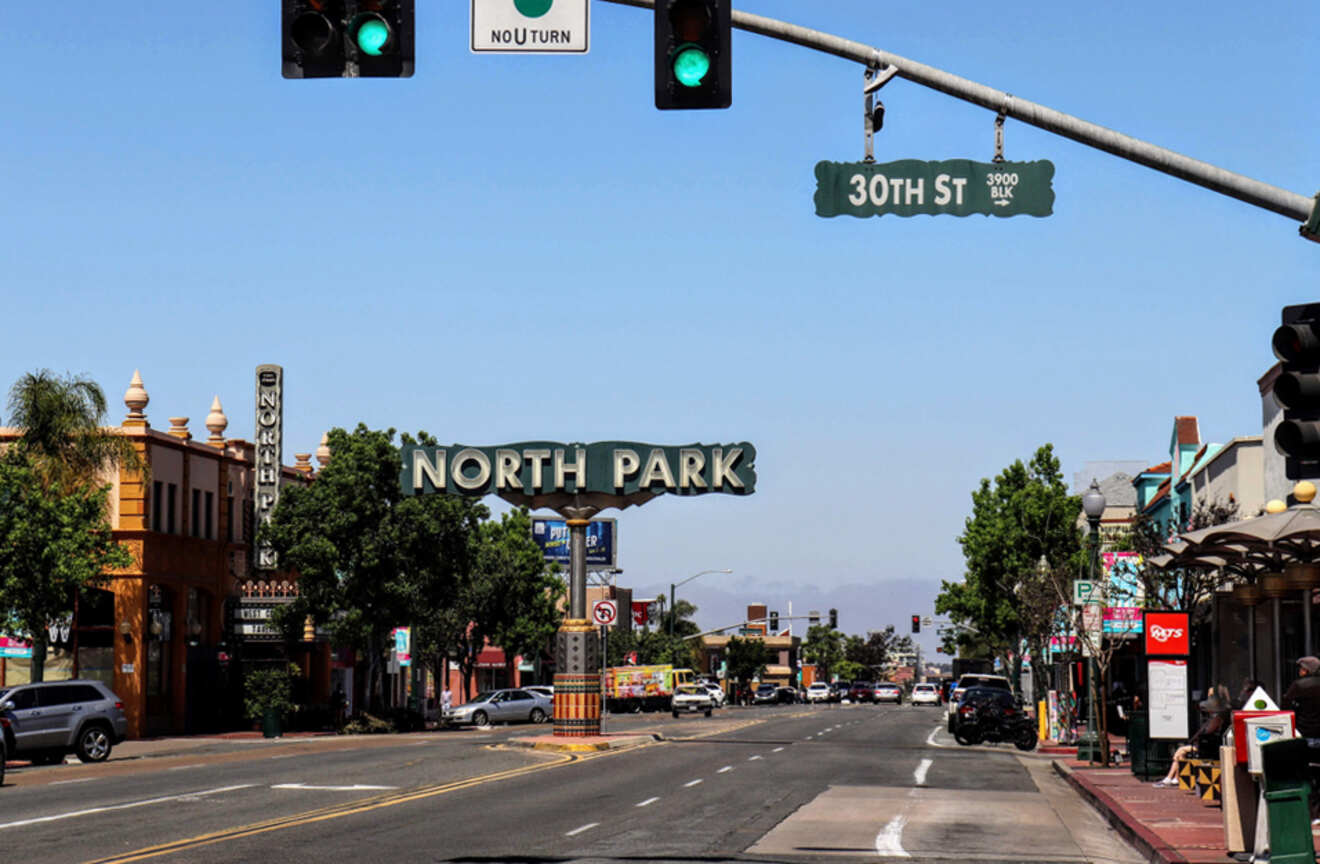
(639, 610)
(1167, 633)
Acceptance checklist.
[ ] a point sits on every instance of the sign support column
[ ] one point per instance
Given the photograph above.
(577, 648)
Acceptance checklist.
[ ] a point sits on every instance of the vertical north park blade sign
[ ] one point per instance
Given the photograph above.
(953, 187)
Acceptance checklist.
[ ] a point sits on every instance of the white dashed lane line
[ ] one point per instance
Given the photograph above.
(577, 831)
(777, 749)
(920, 774)
(691, 783)
(753, 758)
(725, 768)
(647, 801)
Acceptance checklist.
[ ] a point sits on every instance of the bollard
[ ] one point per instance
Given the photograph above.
(1287, 793)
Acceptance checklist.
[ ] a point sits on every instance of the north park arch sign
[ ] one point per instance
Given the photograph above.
(578, 481)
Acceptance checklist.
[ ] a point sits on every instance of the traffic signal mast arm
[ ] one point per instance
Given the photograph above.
(1254, 192)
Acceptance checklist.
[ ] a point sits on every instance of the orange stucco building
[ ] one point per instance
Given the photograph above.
(167, 633)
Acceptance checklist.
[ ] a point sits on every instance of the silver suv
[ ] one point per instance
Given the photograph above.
(43, 722)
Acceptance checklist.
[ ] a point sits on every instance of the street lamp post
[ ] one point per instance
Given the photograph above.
(673, 611)
(1093, 504)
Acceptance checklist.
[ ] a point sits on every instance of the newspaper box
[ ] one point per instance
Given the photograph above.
(1263, 730)
(1240, 719)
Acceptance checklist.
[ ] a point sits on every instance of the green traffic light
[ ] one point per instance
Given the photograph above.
(372, 36)
(690, 65)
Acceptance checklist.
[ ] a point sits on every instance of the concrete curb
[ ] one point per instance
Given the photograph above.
(1150, 844)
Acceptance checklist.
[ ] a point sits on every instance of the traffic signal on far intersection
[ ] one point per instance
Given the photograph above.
(834, 619)
(1297, 390)
(692, 54)
(916, 623)
(347, 38)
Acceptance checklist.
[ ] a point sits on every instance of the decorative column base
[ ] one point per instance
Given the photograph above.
(577, 683)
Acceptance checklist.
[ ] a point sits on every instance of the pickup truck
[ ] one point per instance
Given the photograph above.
(689, 699)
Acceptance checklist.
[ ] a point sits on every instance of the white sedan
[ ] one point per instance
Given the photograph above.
(818, 692)
(925, 694)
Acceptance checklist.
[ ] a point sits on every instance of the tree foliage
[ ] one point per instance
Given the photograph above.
(52, 544)
(1177, 588)
(1026, 513)
(745, 659)
(824, 646)
(368, 557)
(874, 652)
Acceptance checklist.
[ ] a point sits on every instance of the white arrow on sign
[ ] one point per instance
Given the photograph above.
(604, 612)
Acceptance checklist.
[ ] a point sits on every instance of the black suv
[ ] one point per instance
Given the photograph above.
(44, 721)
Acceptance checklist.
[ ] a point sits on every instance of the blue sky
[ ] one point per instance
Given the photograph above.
(508, 248)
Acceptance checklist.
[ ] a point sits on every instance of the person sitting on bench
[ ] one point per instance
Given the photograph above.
(1218, 715)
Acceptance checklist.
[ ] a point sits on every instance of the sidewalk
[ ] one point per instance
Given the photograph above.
(146, 748)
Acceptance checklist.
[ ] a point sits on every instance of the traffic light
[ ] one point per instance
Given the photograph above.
(834, 619)
(916, 623)
(774, 622)
(347, 38)
(1297, 390)
(692, 60)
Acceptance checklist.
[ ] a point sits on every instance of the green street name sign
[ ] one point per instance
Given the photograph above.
(608, 467)
(955, 187)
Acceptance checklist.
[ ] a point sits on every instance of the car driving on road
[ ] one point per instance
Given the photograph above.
(689, 699)
(45, 721)
(818, 692)
(502, 706)
(925, 694)
(861, 691)
(887, 691)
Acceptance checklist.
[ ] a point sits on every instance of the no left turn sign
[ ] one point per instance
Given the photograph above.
(604, 612)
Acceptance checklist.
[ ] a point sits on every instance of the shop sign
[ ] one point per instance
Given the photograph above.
(608, 467)
(1167, 633)
(270, 451)
(403, 645)
(552, 536)
(15, 648)
(1123, 620)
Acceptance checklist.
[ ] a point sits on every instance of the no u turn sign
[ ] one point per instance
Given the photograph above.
(530, 26)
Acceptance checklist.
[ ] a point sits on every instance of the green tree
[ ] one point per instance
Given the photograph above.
(824, 647)
(745, 659)
(53, 543)
(368, 557)
(1184, 589)
(873, 652)
(1024, 514)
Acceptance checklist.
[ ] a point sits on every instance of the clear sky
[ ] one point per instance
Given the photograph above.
(508, 248)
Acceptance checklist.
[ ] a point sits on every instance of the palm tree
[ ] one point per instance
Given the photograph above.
(60, 421)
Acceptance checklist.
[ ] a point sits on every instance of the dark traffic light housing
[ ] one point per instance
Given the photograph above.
(774, 623)
(834, 619)
(1297, 389)
(347, 38)
(692, 54)
(916, 623)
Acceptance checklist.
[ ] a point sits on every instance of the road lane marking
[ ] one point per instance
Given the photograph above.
(920, 774)
(182, 767)
(186, 796)
(586, 827)
(888, 843)
(66, 782)
(777, 749)
(691, 783)
(753, 758)
(354, 788)
(647, 801)
(725, 768)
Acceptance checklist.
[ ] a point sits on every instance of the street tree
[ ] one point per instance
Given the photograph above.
(824, 646)
(874, 652)
(1026, 513)
(53, 543)
(745, 659)
(1180, 588)
(367, 556)
(64, 447)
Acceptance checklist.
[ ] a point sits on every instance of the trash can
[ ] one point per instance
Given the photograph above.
(1149, 758)
(1287, 787)
(270, 723)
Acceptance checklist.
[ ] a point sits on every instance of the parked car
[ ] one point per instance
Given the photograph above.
(502, 706)
(886, 691)
(973, 679)
(47, 720)
(926, 694)
(861, 691)
(818, 692)
(689, 699)
(765, 694)
(787, 695)
(546, 690)
(839, 690)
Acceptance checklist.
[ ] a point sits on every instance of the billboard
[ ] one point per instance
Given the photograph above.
(552, 536)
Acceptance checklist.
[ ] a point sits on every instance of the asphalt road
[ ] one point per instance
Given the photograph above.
(784, 783)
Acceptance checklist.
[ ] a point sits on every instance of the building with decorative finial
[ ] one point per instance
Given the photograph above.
(168, 632)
